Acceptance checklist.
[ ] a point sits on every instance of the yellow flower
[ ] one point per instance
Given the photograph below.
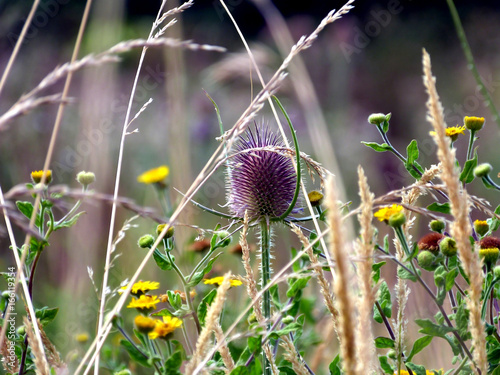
(36, 176)
(474, 123)
(385, 213)
(144, 302)
(404, 372)
(452, 132)
(220, 279)
(155, 175)
(141, 287)
(82, 338)
(165, 327)
(144, 324)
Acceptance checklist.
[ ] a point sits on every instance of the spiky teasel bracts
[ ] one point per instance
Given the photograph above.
(461, 227)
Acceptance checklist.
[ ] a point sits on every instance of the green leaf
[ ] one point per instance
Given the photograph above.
(450, 279)
(378, 147)
(284, 370)
(334, 366)
(384, 364)
(494, 223)
(384, 343)
(403, 273)
(161, 260)
(411, 164)
(285, 331)
(296, 286)
(240, 370)
(69, 223)
(174, 299)
(46, 315)
(173, 364)
(443, 208)
(204, 304)
(376, 270)
(417, 369)
(198, 276)
(135, 354)
(254, 344)
(414, 252)
(26, 208)
(432, 329)
(419, 345)
(467, 174)
(275, 296)
(496, 371)
(384, 299)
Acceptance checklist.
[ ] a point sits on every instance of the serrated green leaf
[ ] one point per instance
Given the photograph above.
(467, 174)
(204, 304)
(419, 345)
(296, 286)
(384, 364)
(432, 329)
(417, 369)
(135, 354)
(69, 223)
(46, 315)
(378, 147)
(443, 208)
(384, 343)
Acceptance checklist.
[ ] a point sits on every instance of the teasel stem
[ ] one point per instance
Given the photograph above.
(265, 247)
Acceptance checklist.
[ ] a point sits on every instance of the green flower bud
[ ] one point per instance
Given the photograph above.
(437, 226)
(496, 271)
(288, 319)
(482, 170)
(378, 118)
(426, 260)
(397, 219)
(448, 247)
(170, 231)
(146, 241)
(474, 123)
(85, 178)
(481, 227)
(315, 197)
(223, 235)
(21, 330)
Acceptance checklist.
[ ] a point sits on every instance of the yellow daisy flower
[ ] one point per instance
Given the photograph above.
(453, 132)
(144, 302)
(473, 122)
(165, 327)
(144, 324)
(36, 176)
(385, 213)
(141, 287)
(404, 372)
(155, 175)
(218, 280)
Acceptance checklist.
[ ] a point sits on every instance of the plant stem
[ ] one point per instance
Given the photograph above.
(265, 247)
(471, 65)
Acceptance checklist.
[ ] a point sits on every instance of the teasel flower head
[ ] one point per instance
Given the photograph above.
(261, 182)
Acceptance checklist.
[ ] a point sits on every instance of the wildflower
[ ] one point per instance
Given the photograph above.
(170, 231)
(453, 132)
(490, 241)
(164, 328)
(430, 242)
(378, 118)
(404, 372)
(261, 182)
(155, 175)
(448, 247)
(481, 227)
(385, 213)
(146, 241)
(315, 197)
(474, 123)
(397, 220)
(85, 178)
(141, 287)
(220, 279)
(36, 176)
(482, 170)
(144, 302)
(82, 338)
(144, 324)
(489, 255)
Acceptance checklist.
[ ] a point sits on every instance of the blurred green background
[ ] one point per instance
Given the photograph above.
(369, 61)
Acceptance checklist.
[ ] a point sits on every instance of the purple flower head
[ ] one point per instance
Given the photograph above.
(261, 182)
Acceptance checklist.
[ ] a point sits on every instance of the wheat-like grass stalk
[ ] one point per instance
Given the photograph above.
(343, 296)
(211, 320)
(461, 227)
(41, 365)
(365, 246)
(223, 348)
(292, 356)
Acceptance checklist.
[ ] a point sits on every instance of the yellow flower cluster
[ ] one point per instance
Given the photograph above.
(144, 302)
(141, 287)
(218, 280)
(385, 213)
(157, 328)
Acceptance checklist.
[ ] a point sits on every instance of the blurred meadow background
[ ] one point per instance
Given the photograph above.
(368, 61)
